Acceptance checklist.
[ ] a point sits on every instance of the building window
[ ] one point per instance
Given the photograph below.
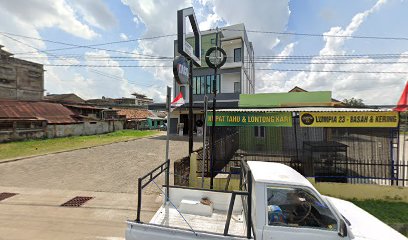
(237, 87)
(288, 206)
(194, 85)
(204, 84)
(213, 41)
(6, 126)
(259, 131)
(209, 83)
(183, 91)
(237, 55)
(23, 125)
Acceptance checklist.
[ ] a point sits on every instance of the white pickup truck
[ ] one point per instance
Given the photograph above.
(275, 202)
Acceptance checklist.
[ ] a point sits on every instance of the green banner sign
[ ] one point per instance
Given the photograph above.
(268, 119)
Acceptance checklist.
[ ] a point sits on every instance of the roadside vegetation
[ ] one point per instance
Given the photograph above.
(393, 213)
(44, 146)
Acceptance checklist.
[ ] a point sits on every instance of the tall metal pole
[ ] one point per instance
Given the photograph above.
(204, 141)
(166, 180)
(213, 122)
(190, 110)
(168, 101)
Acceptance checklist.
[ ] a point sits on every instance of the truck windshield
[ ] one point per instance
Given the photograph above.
(296, 207)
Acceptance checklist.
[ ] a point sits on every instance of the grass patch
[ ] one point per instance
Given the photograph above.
(392, 213)
(44, 146)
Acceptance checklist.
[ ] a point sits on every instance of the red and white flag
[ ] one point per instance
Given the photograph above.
(402, 104)
(177, 102)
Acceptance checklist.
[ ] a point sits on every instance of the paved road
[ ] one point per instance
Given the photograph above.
(107, 173)
(111, 168)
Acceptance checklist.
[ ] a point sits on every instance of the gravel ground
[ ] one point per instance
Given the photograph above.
(111, 168)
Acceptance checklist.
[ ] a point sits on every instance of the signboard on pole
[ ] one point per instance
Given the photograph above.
(183, 47)
(267, 119)
(181, 70)
(349, 119)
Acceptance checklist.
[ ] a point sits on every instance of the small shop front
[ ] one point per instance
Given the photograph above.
(330, 144)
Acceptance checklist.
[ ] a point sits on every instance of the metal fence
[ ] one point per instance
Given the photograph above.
(347, 155)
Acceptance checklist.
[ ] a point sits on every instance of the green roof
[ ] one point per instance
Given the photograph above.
(285, 99)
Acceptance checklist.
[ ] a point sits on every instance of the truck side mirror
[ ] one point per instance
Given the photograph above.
(343, 229)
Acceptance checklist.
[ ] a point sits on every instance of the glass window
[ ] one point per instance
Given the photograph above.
(200, 81)
(262, 132)
(259, 131)
(237, 87)
(213, 41)
(297, 207)
(6, 125)
(183, 91)
(237, 55)
(209, 84)
(203, 84)
(194, 85)
(23, 125)
(198, 85)
(218, 84)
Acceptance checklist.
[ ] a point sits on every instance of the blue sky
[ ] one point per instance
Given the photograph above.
(84, 22)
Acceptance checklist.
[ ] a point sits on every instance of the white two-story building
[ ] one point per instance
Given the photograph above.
(235, 77)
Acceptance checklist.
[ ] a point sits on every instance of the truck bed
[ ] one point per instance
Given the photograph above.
(188, 216)
(169, 216)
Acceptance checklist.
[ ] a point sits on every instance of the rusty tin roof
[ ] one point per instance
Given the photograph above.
(54, 113)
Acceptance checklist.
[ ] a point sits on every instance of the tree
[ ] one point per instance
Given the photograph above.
(354, 102)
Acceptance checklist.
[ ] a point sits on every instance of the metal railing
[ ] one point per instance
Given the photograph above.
(164, 167)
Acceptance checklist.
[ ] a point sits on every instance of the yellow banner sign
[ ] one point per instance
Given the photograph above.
(349, 119)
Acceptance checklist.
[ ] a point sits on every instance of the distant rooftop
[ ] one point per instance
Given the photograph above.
(54, 113)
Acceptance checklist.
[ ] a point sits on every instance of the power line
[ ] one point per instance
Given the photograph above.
(104, 66)
(261, 69)
(74, 46)
(77, 46)
(319, 35)
(332, 63)
(92, 70)
(328, 71)
(93, 46)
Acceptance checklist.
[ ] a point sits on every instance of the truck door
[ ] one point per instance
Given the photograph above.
(296, 213)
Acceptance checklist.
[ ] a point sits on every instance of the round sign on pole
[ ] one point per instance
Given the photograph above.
(215, 57)
(180, 70)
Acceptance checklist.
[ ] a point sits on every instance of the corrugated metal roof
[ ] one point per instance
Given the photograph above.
(54, 113)
(86, 107)
(135, 113)
(156, 118)
(305, 109)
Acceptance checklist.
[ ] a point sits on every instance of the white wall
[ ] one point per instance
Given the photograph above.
(85, 128)
(229, 48)
(227, 82)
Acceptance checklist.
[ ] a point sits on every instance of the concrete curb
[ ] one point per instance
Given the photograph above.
(71, 150)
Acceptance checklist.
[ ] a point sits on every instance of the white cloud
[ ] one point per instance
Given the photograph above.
(210, 21)
(96, 13)
(271, 82)
(334, 44)
(45, 14)
(159, 17)
(123, 37)
(270, 15)
(54, 14)
(108, 81)
(373, 88)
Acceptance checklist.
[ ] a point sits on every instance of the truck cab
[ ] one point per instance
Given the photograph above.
(287, 206)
